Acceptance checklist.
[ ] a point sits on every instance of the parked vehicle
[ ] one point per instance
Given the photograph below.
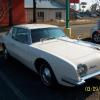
(95, 32)
(93, 15)
(57, 59)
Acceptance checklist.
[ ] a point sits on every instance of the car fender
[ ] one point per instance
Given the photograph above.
(63, 69)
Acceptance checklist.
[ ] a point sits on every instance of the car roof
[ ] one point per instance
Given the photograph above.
(35, 26)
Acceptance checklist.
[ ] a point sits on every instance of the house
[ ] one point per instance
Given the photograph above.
(22, 11)
(46, 10)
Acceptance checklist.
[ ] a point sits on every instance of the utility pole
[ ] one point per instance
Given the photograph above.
(68, 29)
(67, 13)
(10, 12)
(34, 11)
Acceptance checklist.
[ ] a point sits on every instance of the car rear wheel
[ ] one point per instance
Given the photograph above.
(47, 75)
(96, 37)
(5, 54)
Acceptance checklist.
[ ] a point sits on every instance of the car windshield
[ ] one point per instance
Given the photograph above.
(46, 33)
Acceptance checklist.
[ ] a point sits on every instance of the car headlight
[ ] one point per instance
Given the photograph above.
(82, 69)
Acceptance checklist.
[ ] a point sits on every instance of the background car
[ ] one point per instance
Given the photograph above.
(95, 32)
(93, 15)
(56, 58)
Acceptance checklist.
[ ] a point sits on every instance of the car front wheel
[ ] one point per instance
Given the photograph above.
(96, 37)
(47, 75)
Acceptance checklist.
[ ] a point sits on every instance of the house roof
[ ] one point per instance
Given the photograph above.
(44, 4)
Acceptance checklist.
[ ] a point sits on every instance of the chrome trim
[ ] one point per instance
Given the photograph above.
(90, 75)
(75, 83)
(82, 80)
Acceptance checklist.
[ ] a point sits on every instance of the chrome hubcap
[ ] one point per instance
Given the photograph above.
(46, 75)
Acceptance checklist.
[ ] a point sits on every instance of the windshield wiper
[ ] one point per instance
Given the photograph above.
(50, 38)
(63, 36)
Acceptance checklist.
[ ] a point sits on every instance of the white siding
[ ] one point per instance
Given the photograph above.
(61, 1)
(49, 14)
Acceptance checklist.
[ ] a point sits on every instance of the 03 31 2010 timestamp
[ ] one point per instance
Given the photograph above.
(92, 88)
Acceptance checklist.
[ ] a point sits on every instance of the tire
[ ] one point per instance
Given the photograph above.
(47, 75)
(96, 37)
(6, 55)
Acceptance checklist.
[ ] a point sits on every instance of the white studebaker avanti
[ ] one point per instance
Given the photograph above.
(57, 59)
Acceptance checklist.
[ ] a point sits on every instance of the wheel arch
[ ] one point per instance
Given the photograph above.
(38, 62)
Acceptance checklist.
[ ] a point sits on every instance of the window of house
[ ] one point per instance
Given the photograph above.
(40, 15)
(58, 15)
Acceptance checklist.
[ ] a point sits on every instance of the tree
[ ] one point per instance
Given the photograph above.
(34, 11)
(1, 10)
(95, 6)
(10, 12)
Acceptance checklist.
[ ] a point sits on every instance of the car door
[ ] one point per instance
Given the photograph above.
(19, 44)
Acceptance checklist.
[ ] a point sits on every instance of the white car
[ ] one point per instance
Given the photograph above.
(57, 59)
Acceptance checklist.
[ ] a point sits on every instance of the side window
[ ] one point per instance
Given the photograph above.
(21, 35)
(13, 32)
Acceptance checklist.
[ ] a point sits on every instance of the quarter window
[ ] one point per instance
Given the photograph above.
(13, 32)
(20, 34)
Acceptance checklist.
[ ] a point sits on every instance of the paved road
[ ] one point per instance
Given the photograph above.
(85, 28)
(17, 82)
(82, 28)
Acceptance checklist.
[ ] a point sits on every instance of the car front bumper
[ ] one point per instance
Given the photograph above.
(82, 80)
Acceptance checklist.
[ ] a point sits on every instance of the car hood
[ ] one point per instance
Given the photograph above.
(67, 48)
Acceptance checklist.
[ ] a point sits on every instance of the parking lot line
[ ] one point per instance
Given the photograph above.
(16, 91)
